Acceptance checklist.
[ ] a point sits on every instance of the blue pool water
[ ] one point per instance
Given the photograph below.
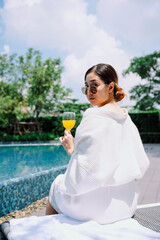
(25, 159)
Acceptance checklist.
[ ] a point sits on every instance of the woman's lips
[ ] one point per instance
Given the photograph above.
(91, 98)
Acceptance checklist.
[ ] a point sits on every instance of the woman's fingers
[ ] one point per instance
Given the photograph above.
(61, 139)
(67, 132)
(67, 142)
(67, 138)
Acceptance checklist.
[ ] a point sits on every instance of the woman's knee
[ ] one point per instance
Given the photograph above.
(50, 210)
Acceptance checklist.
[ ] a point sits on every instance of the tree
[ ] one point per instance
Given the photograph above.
(147, 95)
(72, 106)
(45, 92)
(11, 99)
(38, 80)
(10, 104)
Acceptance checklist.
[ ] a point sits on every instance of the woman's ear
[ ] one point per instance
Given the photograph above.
(111, 87)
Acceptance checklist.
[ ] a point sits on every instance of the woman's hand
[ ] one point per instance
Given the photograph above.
(67, 142)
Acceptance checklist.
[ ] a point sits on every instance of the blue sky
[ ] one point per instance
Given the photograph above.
(82, 33)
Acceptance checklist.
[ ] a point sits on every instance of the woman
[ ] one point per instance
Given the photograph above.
(107, 157)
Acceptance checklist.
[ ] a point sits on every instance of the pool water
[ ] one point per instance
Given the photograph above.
(22, 160)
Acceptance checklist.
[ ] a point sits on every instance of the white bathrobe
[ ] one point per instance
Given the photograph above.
(100, 182)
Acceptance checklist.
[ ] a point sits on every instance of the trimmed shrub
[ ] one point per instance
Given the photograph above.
(54, 124)
(148, 121)
(28, 137)
(148, 124)
(150, 137)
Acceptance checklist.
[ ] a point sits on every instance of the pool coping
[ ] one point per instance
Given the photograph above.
(28, 143)
(17, 193)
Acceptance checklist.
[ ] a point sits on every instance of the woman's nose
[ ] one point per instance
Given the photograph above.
(89, 92)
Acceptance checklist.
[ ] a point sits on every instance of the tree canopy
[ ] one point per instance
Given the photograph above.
(29, 81)
(10, 103)
(147, 94)
(73, 106)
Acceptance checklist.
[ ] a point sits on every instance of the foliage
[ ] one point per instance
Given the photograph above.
(52, 129)
(36, 81)
(147, 121)
(148, 124)
(28, 137)
(72, 106)
(54, 125)
(45, 92)
(147, 95)
(10, 103)
(150, 137)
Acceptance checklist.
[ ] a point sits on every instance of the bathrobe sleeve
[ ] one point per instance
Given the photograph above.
(95, 156)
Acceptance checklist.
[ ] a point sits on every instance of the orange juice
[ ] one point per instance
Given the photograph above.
(68, 124)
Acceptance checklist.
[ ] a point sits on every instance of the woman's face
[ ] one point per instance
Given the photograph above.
(101, 97)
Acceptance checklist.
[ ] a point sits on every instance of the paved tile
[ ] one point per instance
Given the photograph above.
(150, 183)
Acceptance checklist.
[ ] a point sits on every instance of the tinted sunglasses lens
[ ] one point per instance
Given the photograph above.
(84, 90)
(93, 89)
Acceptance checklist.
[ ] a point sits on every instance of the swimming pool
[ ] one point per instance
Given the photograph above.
(27, 172)
(20, 160)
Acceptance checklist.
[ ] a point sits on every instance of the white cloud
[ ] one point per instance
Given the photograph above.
(56, 24)
(65, 25)
(18, 3)
(6, 49)
(132, 20)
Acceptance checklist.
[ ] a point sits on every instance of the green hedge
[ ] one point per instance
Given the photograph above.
(54, 124)
(51, 129)
(28, 137)
(148, 121)
(150, 137)
(148, 124)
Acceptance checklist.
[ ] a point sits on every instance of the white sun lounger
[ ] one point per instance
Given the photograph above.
(147, 215)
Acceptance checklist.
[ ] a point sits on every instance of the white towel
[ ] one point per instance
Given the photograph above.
(61, 227)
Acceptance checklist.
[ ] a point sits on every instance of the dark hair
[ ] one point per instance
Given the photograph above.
(107, 74)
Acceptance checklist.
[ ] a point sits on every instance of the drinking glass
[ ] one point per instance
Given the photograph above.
(68, 120)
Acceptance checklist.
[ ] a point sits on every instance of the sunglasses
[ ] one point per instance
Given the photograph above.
(93, 89)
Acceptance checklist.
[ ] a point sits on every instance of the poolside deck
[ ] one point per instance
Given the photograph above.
(150, 184)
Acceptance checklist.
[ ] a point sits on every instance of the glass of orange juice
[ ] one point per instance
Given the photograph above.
(68, 120)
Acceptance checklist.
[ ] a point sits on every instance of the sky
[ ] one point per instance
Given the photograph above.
(83, 33)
